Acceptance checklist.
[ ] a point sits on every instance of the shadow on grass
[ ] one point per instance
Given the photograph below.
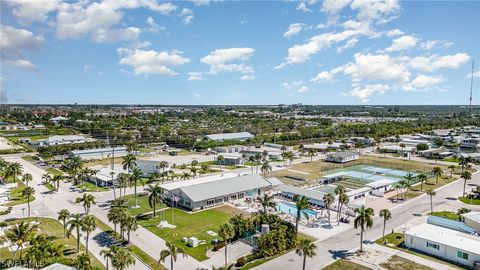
(340, 254)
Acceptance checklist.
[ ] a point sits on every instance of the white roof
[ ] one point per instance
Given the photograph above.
(62, 138)
(475, 216)
(186, 183)
(448, 237)
(58, 266)
(380, 183)
(229, 136)
(59, 118)
(98, 150)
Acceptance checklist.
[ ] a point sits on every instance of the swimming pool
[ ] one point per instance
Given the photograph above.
(292, 210)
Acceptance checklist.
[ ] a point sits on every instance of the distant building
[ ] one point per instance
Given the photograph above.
(64, 139)
(446, 243)
(278, 146)
(470, 143)
(100, 153)
(231, 149)
(472, 220)
(342, 157)
(365, 141)
(238, 136)
(58, 119)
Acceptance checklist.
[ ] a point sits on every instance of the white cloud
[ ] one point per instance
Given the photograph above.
(429, 44)
(298, 86)
(395, 32)
(151, 62)
(229, 60)
(28, 11)
(86, 68)
(293, 29)
(476, 74)
(402, 43)
(195, 76)
(376, 67)
(375, 10)
(200, 2)
(154, 28)
(422, 82)
(196, 95)
(348, 45)
(303, 7)
(365, 92)
(435, 62)
(187, 16)
(114, 35)
(14, 42)
(324, 76)
(247, 77)
(80, 19)
(334, 6)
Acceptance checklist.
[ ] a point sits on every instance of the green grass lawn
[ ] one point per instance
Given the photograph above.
(191, 224)
(393, 239)
(54, 229)
(344, 264)
(469, 201)
(90, 187)
(28, 158)
(54, 171)
(398, 263)
(446, 214)
(144, 207)
(16, 197)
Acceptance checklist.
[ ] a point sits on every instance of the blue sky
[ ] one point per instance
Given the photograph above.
(224, 52)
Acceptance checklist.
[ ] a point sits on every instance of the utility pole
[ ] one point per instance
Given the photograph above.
(471, 87)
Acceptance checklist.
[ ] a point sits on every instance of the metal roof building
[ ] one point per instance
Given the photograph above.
(238, 136)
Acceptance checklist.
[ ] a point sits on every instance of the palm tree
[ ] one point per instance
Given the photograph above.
(423, 178)
(109, 254)
(163, 165)
(328, 200)
(251, 159)
(266, 201)
(19, 235)
(185, 176)
(56, 179)
(311, 153)
(266, 167)
(27, 178)
(13, 170)
(301, 203)
(226, 232)
(463, 163)
(194, 163)
(89, 225)
(306, 248)
(134, 178)
(466, 175)
(386, 214)
(46, 177)
(171, 251)
(364, 220)
(437, 171)
(115, 215)
(63, 215)
(343, 199)
(154, 176)
(129, 224)
(220, 160)
(431, 193)
(76, 224)
(82, 262)
(155, 194)
(27, 192)
(88, 200)
(339, 190)
(122, 259)
(452, 170)
(128, 162)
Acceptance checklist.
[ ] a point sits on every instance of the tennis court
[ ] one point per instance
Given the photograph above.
(367, 173)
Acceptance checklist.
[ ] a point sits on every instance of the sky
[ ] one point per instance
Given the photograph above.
(239, 52)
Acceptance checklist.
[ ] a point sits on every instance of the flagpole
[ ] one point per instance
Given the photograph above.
(173, 205)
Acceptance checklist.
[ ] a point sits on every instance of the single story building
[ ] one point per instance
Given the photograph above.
(230, 159)
(315, 197)
(470, 143)
(237, 136)
(100, 153)
(64, 139)
(106, 177)
(58, 119)
(342, 157)
(448, 244)
(210, 193)
(231, 149)
(472, 220)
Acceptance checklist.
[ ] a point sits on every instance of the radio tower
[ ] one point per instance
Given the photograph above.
(471, 87)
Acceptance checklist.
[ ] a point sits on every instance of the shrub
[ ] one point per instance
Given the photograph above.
(241, 262)
(218, 246)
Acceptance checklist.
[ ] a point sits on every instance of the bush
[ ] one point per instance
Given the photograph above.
(254, 256)
(241, 262)
(218, 246)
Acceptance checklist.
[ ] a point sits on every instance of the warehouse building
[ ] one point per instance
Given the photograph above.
(100, 153)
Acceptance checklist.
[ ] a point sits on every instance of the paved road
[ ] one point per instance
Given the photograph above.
(335, 247)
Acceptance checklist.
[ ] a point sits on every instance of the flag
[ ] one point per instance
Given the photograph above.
(176, 199)
(165, 192)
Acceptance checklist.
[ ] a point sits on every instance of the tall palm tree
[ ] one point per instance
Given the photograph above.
(134, 178)
(56, 179)
(19, 235)
(466, 175)
(386, 214)
(27, 193)
(423, 178)
(108, 254)
(163, 165)
(463, 163)
(115, 215)
(46, 177)
(339, 190)
(129, 224)
(452, 170)
(301, 203)
(155, 194)
(328, 200)
(266, 201)
(251, 159)
(343, 199)
(226, 232)
(437, 171)
(27, 178)
(185, 176)
(173, 252)
(431, 193)
(63, 216)
(311, 153)
(266, 168)
(364, 220)
(75, 223)
(128, 162)
(122, 259)
(89, 225)
(13, 170)
(306, 248)
(87, 201)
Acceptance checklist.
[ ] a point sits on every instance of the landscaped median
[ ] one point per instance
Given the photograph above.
(16, 195)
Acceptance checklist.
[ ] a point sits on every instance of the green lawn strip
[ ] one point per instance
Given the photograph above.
(90, 187)
(54, 229)
(446, 214)
(50, 187)
(396, 240)
(28, 158)
(190, 224)
(344, 264)
(147, 259)
(398, 263)
(16, 197)
(143, 205)
(54, 171)
(469, 201)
